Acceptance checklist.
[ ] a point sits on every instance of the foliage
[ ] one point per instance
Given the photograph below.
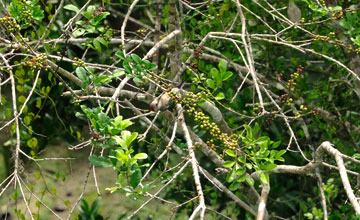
(255, 98)
(87, 212)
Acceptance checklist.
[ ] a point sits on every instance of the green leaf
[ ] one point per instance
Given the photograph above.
(117, 73)
(231, 176)
(242, 159)
(117, 120)
(312, 95)
(279, 154)
(141, 156)
(27, 120)
(121, 179)
(240, 171)
(33, 142)
(120, 141)
(21, 99)
(356, 156)
(228, 164)
(356, 40)
(210, 83)
(276, 144)
(226, 75)
(220, 96)
(248, 165)
(264, 178)
(98, 19)
(20, 88)
(120, 54)
(72, 8)
(126, 139)
(53, 190)
(135, 178)
(234, 186)
(113, 130)
(149, 65)
(101, 79)
(90, 29)
(129, 137)
(262, 140)
(249, 133)
(99, 161)
(97, 45)
(230, 153)
(126, 123)
(256, 128)
(270, 167)
(127, 67)
(241, 178)
(87, 14)
(78, 32)
(38, 103)
(67, 203)
(136, 59)
(336, 8)
(121, 156)
(103, 119)
(91, 8)
(37, 13)
(249, 180)
(215, 75)
(81, 73)
(103, 41)
(222, 66)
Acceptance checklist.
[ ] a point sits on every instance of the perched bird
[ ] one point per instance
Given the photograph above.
(163, 102)
(294, 13)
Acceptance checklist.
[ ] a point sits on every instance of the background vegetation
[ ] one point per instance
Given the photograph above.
(179, 109)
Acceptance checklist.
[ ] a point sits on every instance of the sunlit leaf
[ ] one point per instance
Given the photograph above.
(72, 8)
(135, 178)
(228, 164)
(140, 156)
(230, 153)
(99, 161)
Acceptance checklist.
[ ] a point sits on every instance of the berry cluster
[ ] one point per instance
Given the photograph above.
(278, 76)
(315, 111)
(286, 99)
(323, 3)
(37, 62)
(339, 14)
(299, 70)
(257, 109)
(190, 101)
(195, 66)
(26, 17)
(79, 62)
(98, 12)
(10, 24)
(141, 31)
(321, 38)
(198, 52)
(197, 55)
(291, 82)
(303, 108)
(154, 77)
(229, 142)
(336, 42)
